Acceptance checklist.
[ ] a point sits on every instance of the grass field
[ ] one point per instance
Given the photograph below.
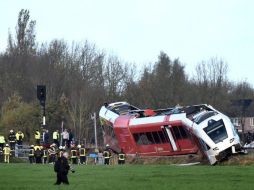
(136, 177)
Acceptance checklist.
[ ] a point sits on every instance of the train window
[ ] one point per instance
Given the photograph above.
(137, 139)
(176, 132)
(183, 132)
(150, 138)
(156, 138)
(216, 131)
(164, 139)
(144, 139)
(204, 116)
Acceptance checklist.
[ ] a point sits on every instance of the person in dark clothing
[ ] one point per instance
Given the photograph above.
(12, 139)
(38, 156)
(121, 157)
(107, 155)
(45, 138)
(62, 168)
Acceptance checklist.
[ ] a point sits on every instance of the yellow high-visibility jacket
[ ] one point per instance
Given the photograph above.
(82, 152)
(55, 135)
(37, 135)
(2, 140)
(7, 150)
(19, 136)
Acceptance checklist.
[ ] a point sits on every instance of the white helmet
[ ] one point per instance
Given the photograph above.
(11, 131)
(6, 145)
(79, 146)
(60, 147)
(65, 154)
(107, 145)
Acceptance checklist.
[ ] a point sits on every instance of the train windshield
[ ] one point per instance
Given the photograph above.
(216, 131)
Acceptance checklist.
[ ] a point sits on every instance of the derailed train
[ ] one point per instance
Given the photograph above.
(171, 131)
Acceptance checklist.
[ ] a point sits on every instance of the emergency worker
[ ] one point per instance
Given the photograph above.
(37, 136)
(2, 141)
(7, 152)
(12, 139)
(19, 137)
(121, 157)
(107, 155)
(82, 154)
(62, 168)
(38, 155)
(31, 154)
(56, 137)
(74, 155)
(52, 153)
(37, 147)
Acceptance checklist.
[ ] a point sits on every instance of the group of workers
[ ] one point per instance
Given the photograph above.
(7, 149)
(43, 152)
(76, 154)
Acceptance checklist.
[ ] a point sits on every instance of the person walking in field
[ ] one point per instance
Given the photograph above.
(62, 168)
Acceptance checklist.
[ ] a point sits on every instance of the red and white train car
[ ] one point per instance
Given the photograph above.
(167, 132)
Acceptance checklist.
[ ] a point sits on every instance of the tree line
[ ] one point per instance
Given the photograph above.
(80, 78)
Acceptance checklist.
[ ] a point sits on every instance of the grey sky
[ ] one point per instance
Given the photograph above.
(137, 30)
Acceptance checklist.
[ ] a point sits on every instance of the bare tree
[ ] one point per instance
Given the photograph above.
(211, 81)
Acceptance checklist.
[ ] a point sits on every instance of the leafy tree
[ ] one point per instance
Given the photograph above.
(18, 115)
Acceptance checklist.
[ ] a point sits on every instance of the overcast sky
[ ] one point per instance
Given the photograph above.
(137, 30)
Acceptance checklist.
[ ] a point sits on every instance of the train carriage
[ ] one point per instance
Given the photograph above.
(167, 132)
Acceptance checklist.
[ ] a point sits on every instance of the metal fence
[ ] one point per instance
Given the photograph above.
(22, 151)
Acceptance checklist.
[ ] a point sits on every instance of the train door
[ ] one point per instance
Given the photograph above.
(171, 139)
(182, 137)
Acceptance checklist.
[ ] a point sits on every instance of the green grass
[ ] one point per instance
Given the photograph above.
(136, 177)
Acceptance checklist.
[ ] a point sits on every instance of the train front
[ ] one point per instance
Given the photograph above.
(217, 135)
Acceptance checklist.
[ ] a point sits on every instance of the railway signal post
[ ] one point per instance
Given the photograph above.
(41, 95)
